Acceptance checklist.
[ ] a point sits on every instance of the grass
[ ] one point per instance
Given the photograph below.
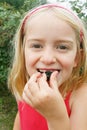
(8, 109)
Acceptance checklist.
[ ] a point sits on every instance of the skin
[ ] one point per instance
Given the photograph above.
(51, 45)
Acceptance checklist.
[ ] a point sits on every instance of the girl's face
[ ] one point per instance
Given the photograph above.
(50, 44)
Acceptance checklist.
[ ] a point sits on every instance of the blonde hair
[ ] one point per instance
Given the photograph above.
(18, 75)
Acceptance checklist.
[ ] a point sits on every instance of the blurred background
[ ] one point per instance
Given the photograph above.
(11, 12)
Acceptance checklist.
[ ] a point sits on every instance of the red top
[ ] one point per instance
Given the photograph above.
(30, 119)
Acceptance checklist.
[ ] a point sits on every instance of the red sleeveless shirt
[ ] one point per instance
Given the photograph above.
(30, 119)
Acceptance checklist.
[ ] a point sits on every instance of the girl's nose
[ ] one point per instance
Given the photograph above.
(48, 57)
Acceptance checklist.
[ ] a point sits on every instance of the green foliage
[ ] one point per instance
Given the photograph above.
(16, 3)
(78, 6)
(28, 4)
(8, 110)
(9, 19)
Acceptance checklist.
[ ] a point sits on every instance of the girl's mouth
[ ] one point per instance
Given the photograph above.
(47, 72)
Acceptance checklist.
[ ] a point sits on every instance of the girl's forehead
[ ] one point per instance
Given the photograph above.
(46, 16)
(46, 25)
(48, 19)
(41, 14)
(52, 14)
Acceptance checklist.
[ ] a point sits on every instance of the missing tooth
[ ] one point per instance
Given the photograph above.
(48, 74)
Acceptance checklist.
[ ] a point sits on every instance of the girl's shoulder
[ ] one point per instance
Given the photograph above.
(79, 95)
(78, 102)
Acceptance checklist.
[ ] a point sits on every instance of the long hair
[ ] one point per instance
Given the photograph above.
(18, 75)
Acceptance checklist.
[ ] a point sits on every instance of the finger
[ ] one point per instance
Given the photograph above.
(27, 92)
(34, 77)
(29, 98)
(53, 80)
(42, 81)
(32, 84)
(26, 99)
(59, 78)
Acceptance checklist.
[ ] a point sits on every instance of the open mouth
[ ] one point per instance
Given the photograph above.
(47, 72)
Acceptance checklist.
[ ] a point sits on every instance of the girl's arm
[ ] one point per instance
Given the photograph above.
(78, 118)
(59, 124)
(17, 122)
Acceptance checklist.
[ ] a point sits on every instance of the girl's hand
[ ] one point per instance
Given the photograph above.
(45, 97)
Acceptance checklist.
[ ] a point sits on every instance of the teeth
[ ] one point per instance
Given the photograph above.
(44, 71)
(41, 71)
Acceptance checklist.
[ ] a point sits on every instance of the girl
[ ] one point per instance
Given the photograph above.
(51, 39)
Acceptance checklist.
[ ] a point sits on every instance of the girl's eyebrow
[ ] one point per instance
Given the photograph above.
(38, 40)
(34, 39)
(65, 41)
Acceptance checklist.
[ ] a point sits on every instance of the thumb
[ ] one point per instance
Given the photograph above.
(55, 80)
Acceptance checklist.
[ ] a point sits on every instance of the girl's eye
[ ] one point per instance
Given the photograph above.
(62, 47)
(36, 46)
